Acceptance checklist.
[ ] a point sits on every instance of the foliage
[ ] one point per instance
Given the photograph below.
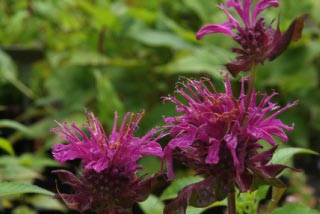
(59, 57)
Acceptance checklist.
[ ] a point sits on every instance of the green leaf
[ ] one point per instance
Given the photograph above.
(295, 208)
(283, 155)
(45, 202)
(197, 210)
(102, 16)
(152, 205)
(160, 38)
(37, 162)
(10, 188)
(107, 97)
(8, 71)
(6, 146)
(15, 125)
(23, 209)
(178, 184)
(198, 61)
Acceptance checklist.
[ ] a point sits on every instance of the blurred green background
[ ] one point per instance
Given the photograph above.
(59, 57)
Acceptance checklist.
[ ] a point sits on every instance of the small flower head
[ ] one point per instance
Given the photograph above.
(218, 136)
(108, 182)
(257, 41)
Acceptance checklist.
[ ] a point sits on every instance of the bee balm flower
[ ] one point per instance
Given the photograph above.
(109, 183)
(219, 137)
(257, 41)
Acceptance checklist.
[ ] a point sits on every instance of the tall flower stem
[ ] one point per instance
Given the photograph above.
(232, 203)
(252, 79)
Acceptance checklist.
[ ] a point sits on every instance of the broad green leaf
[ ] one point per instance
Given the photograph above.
(281, 156)
(10, 188)
(295, 208)
(152, 205)
(178, 184)
(6, 146)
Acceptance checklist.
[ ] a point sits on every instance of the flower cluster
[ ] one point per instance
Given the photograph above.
(217, 134)
(108, 183)
(258, 42)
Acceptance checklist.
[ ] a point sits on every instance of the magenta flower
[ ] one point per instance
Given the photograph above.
(218, 137)
(257, 41)
(108, 183)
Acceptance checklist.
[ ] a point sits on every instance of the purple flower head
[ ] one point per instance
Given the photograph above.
(257, 41)
(219, 137)
(108, 183)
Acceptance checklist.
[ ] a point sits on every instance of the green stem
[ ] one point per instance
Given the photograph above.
(252, 79)
(232, 203)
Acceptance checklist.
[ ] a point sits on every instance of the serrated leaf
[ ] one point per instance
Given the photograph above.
(295, 208)
(11, 188)
(178, 184)
(281, 156)
(152, 205)
(6, 146)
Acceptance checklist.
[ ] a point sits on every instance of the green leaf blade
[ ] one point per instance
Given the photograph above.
(11, 188)
(6, 146)
(283, 155)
